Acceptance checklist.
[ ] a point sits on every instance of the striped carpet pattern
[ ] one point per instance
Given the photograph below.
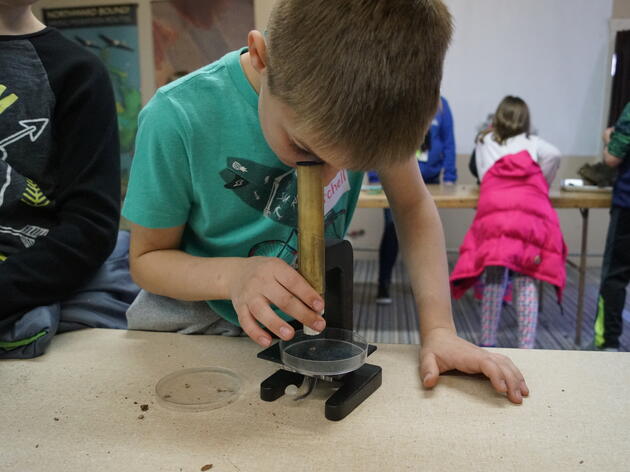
(398, 323)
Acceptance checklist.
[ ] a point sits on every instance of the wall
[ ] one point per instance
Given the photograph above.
(621, 9)
(145, 38)
(262, 9)
(552, 54)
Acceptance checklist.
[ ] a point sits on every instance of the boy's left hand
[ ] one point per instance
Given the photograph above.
(606, 135)
(442, 350)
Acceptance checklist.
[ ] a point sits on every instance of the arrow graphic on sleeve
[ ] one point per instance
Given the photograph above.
(31, 128)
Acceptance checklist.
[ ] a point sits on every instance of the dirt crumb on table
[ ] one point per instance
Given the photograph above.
(206, 467)
(56, 419)
(140, 417)
(144, 407)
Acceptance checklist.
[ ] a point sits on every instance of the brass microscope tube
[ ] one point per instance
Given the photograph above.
(311, 242)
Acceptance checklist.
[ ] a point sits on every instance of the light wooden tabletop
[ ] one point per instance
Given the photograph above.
(77, 407)
(466, 196)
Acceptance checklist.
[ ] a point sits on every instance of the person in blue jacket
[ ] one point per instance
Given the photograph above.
(437, 153)
(441, 153)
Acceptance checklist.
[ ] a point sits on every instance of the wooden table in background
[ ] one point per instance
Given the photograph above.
(76, 409)
(466, 196)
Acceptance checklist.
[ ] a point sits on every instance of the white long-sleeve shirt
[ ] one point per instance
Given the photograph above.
(488, 151)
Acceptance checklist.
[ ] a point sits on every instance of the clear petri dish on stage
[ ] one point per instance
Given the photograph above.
(201, 389)
(332, 352)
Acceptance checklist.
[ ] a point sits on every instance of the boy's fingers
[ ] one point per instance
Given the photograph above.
(251, 328)
(491, 369)
(290, 279)
(514, 385)
(261, 310)
(429, 370)
(524, 389)
(521, 384)
(294, 307)
(511, 376)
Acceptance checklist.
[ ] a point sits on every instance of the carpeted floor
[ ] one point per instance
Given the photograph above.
(398, 322)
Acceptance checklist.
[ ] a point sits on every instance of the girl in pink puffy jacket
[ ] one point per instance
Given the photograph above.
(515, 227)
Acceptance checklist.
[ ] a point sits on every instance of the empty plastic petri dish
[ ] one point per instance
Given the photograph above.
(332, 352)
(200, 389)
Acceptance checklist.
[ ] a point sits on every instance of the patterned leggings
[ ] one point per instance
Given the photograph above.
(526, 302)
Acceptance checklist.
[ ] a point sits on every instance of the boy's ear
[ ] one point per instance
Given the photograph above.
(257, 50)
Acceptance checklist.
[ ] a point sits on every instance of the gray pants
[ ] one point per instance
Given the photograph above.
(100, 303)
(150, 312)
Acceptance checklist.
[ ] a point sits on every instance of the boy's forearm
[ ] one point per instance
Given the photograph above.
(424, 251)
(175, 274)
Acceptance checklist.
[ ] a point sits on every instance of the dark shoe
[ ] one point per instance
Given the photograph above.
(382, 297)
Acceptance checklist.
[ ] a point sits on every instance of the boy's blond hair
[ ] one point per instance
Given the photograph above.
(361, 75)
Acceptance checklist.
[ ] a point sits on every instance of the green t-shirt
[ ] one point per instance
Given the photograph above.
(202, 161)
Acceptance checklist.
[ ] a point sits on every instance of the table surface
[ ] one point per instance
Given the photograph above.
(94, 381)
(466, 196)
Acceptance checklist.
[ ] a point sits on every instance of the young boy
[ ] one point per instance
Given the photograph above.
(59, 188)
(352, 84)
(616, 267)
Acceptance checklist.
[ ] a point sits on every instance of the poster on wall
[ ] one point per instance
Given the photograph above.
(110, 32)
(188, 34)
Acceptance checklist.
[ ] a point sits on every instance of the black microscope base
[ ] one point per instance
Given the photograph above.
(354, 387)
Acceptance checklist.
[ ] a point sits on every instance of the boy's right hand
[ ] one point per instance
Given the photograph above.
(262, 281)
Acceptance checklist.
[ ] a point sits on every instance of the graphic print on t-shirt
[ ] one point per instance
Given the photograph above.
(26, 107)
(32, 194)
(273, 192)
(6, 101)
(31, 129)
(269, 190)
(13, 185)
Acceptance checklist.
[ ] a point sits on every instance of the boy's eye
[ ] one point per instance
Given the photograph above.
(299, 150)
(304, 152)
